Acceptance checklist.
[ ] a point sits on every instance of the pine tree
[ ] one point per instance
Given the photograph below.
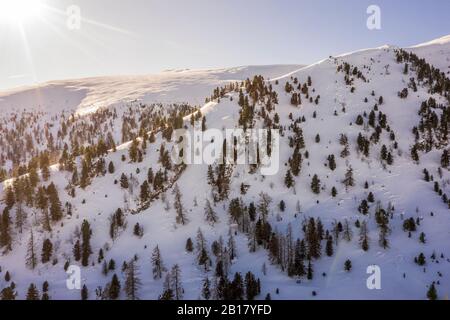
(206, 291)
(296, 160)
(8, 293)
(32, 293)
(21, 217)
(31, 260)
(210, 215)
(189, 245)
(84, 293)
(150, 176)
(5, 230)
(422, 237)
(384, 152)
(47, 251)
(348, 180)
(331, 162)
(347, 231)
(299, 267)
(44, 163)
(181, 216)
(420, 259)
(55, 203)
(252, 288)
(86, 251)
(157, 263)
(133, 151)
(77, 250)
(114, 288)
(363, 236)
(145, 192)
(329, 246)
(138, 230)
(45, 295)
(364, 207)
(310, 271)
(124, 181)
(315, 184)
(347, 265)
(167, 290)
(111, 168)
(132, 281)
(288, 180)
(432, 294)
(445, 159)
(85, 172)
(313, 239)
(175, 282)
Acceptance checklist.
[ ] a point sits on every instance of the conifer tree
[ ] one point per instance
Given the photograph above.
(157, 263)
(77, 250)
(175, 282)
(114, 288)
(132, 281)
(206, 291)
(31, 259)
(445, 159)
(47, 251)
(8, 293)
(432, 294)
(145, 192)
(124, 181)
(21, 217)
(288, 180)
(348, 180)
(84, 293)
(210, 215)
(85, 171)
(329, 246)
(133, 151)
(32, 293)
(315, 184)
(167, 290)
(55, 203)
(189, 245)
(363, 236)
(310, 271)
(86, 234)
(178, 205)
(347, 265)
(5, 230)
(111, 168)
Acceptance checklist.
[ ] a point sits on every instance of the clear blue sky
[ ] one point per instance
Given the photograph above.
(147, 36)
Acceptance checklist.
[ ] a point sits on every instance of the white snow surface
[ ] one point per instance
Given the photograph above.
(401, 184)
(171, 86)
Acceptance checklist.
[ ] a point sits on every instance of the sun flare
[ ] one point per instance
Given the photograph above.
(19, 10)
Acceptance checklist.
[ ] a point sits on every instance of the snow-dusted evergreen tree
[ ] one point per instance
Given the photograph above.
(210, 214)
(175, 282)
(157, 263)
(132, 280)
(31, 259)
(178, 205)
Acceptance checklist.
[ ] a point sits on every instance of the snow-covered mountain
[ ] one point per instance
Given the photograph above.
(171, 86)
(363, 181)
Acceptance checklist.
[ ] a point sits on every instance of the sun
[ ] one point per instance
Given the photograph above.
(19, 10)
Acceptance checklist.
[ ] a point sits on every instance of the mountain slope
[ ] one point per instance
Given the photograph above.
(339, 96)
(174, 86)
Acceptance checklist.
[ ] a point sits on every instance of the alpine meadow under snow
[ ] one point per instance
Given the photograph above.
(87, 180)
